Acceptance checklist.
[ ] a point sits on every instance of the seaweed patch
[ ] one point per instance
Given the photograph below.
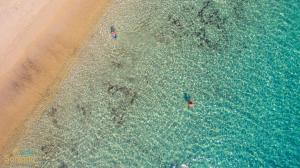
(121, 98)
(175, 21)
(52, 113)
(202, 38)
(55, 122)
(63, 165)
(116, 64)
(74, 151)
(209, 14)
(47, 149)
(82, 109)
(205, 24)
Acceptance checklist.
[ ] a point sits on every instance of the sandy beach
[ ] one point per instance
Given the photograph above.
(38, 38)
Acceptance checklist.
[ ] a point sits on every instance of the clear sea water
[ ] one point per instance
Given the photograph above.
(123, 106)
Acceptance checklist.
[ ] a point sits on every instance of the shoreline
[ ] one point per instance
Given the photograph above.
(38, 60)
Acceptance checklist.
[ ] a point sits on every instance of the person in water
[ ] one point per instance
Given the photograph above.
(190, 104)
(113, 32)
(188, 99)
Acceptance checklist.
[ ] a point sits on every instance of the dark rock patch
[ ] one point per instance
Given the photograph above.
(63, 165)
(122, 98)
(54, 121)
(82, 109)
(175, 22)
(52, 112)
(46, 149)
(206, 4)
(206, 25)
(117, 64)
(73, 150)
(210, 15)
(202, 38)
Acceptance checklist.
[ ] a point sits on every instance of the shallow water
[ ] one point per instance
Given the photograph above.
(123, 105)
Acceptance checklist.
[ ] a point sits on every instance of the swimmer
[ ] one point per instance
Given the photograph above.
(190, 104)
(189, 100)
(113, 32)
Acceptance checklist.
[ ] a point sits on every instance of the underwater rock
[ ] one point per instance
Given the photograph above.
(74, 150)
(117, 64)
(46, 149)
(202, 38)
(206, 4)
(207, 26)
(133, 98)
(63, 165)
(82, 109)
(122, 98)
(174, 21)
(210, 15)
(52, 111)
(54, 121)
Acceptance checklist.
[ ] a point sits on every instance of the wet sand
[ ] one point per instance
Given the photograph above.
(39, 39)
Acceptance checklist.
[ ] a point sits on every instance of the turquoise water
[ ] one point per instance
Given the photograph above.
(123, 105)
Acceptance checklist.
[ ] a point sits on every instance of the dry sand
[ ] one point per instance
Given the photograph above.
(38, 38)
